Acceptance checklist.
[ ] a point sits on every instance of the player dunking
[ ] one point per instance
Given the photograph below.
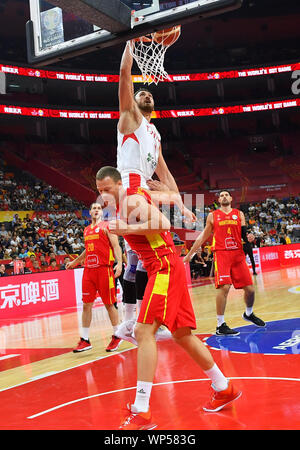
(166, 300)
(139, 156)
(139, 153)
(101, 249)
(229, 231)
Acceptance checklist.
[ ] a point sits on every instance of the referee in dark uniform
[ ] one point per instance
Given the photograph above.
(247, 247)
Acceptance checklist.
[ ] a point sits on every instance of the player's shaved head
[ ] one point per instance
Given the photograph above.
(108, 171)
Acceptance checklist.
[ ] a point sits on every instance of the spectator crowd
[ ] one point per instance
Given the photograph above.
(42, 241)
(274, 221)
(19, 191)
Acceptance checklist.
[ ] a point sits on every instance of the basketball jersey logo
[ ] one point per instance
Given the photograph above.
(227, 230)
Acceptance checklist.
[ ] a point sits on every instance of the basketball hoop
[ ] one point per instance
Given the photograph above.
(149, 53)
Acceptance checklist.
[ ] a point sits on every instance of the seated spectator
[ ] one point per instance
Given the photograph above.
(50, 257)
(208, 259)
(35, 266)
(267, 240)
(70, 241)
(29, 262)
(197, 264)
(31, 252)
(6, 255)
(61, 250)
(15, 239)
(287, 239)
(3, 271)
(43, 263)
(45, 247)
(53, 264)
(3, 231)
(282, 239)
(67, 259)
(77, 246)
(23, 253)
(29, 230)
(37, 251)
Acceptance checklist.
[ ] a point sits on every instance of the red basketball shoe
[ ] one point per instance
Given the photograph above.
(221, 399)
(82, 345)
(137, 421)
(114, 344)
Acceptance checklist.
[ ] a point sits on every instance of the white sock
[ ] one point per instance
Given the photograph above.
(138, 306)
(249, 311)
(142, 397)
(85, 333)
(130, 311)
(115, 329)
(220, 320)
(219, 381)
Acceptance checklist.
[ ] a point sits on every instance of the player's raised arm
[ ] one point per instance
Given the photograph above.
(130, 116)
(126, 91)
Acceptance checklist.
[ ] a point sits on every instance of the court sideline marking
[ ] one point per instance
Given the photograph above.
(155, 384)
(48, 374)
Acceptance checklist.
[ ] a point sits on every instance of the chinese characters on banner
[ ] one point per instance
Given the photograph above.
(278, 256)
(33, 294)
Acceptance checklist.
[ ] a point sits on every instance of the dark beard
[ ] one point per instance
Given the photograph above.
(147, 108)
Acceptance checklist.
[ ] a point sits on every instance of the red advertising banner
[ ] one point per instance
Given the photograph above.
(279, 256)
(34, 294)
(164, 114)
(183, 77)
(256, 256)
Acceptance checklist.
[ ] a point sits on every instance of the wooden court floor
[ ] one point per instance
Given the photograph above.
(44, 385)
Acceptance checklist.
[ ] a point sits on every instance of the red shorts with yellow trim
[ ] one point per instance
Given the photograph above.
(231, 268)
(166, 296)
(101, 280)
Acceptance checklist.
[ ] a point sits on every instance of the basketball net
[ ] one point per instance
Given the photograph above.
(149, 53)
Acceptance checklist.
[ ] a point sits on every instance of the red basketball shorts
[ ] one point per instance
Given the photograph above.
(166, 296)
(101, 280)
(231, 268)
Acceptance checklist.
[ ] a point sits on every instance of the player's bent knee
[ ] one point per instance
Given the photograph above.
(249, 289)
(88, 306)
(224, 289)
(181, 334)
(145, 330)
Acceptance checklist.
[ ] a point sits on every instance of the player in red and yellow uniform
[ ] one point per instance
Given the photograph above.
(229, 231)
(165, 273)
(166, 299)
(229, 257)
(101, 248)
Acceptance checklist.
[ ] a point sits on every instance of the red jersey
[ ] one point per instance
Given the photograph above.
(97, 245)
(227, 230)
(151, 247)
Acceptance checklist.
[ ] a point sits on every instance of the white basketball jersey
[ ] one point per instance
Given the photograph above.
(137, 155)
